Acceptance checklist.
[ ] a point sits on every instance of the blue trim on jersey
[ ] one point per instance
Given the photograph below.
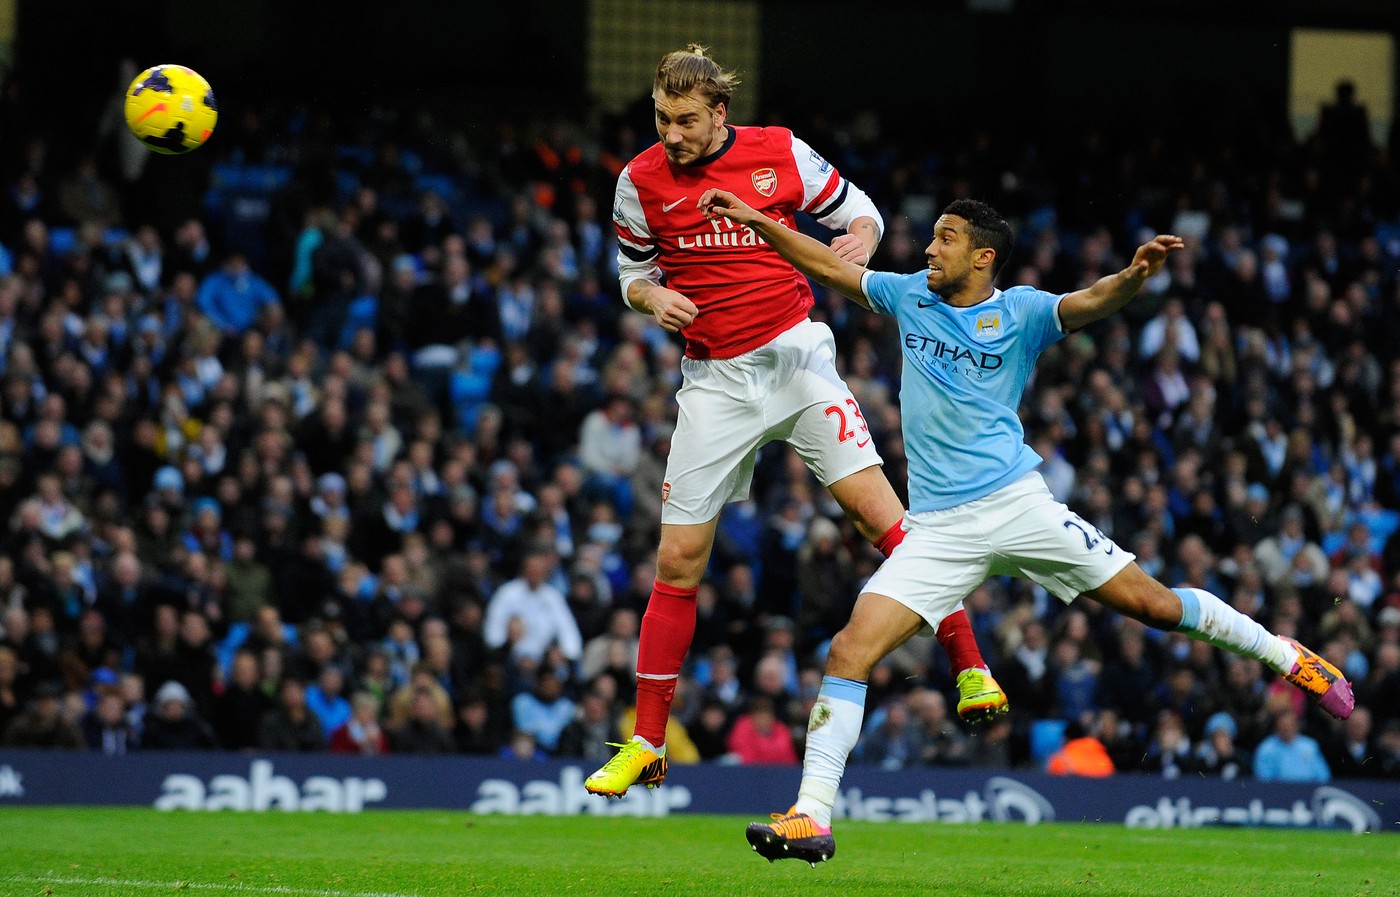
(843, 689)
(1190, 610)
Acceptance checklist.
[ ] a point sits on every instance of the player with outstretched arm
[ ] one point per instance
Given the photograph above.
(977, 506)
(756, 368)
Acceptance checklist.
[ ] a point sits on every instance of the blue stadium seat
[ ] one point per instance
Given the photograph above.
(469, 392)
(265, 178)
(62, 240)
(443, 185)
(467, 386)
(358, 156)
(363, 312)
(485, 360)
(225, 175)
(1047, 737)
(1383, 523)
(346, 183)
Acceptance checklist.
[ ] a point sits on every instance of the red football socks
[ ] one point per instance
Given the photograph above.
(667, 629)
(893, 536)
(955, 635)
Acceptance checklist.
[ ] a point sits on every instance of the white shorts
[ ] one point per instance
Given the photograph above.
(1019, 530)
(729, 407)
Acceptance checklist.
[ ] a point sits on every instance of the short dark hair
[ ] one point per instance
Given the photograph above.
(986, 228)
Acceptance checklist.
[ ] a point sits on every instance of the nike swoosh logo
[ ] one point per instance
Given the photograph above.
(670, 206)
(923, 304)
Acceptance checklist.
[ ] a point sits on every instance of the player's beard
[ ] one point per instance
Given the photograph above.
(681, 155)
(948, 286)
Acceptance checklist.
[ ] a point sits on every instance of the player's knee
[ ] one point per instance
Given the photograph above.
(679, 564)
(850, 656)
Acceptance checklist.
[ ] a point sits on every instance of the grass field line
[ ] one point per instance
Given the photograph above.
(227, 888)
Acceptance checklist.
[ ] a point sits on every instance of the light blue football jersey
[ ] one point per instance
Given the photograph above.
(964, 372)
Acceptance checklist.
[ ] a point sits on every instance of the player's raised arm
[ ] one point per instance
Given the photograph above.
(809, 256)
(1083, 307)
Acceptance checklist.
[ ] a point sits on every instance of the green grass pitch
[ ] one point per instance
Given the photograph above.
(58, 852)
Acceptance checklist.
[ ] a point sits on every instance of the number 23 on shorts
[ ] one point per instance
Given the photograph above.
(846, 429)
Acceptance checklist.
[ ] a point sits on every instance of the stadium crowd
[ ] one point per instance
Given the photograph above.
(352, 446)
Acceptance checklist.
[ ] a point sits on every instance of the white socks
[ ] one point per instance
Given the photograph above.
(658, 751)
(832, 731)
(1207, 618)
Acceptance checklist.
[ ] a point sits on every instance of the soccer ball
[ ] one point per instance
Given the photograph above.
(171, 109)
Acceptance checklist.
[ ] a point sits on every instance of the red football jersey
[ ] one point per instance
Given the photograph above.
(745, 292)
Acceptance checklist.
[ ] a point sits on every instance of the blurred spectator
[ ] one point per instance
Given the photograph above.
(824, 569)
(291, 725)
(610, 445)
(1218, 754)
(174, 724)
(1349, 752)
(423, 731)
(474, 732)
(247, 581)
(539, 607)
(587, 735)
(361, 733)
(991, 745)
(1288, 755)
(1290, 558)
(1388, 750)
(106, 728)
(42, 725)
(233, 297)
(1119, 738)
(758, 737)
(11, 696)
(1081, 755)
(711, 731)
(615, 651)
(1169, 748)
(240, 707)
(544, 712)
(891, 739)
(326, 698)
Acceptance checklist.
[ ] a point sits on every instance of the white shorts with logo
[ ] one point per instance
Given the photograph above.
(786, 390)
(1019, 530)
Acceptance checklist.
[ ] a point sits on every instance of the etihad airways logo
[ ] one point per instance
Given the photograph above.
(947, 354)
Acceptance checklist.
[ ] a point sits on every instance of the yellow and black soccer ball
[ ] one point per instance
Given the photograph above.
(171, 109)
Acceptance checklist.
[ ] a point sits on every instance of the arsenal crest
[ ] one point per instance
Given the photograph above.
(765, 181)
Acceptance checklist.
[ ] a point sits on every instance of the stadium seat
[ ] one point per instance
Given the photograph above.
(485, 360)
(62, 240)
(363, 312)
(443, 185)
(1047, 736)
